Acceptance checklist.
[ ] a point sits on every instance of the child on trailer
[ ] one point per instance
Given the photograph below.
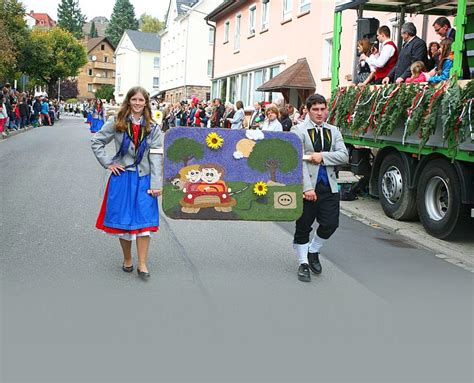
(418, 73)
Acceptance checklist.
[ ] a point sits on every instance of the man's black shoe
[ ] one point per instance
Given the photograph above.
(314, 264)
(303, 273)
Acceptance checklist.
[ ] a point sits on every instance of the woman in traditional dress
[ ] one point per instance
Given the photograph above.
(130, 206)
(98, 116)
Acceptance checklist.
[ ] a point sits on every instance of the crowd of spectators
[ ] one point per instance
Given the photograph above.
(215, 114)
(19, 110)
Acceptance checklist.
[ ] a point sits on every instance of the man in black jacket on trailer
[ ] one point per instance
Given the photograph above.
(413, 49)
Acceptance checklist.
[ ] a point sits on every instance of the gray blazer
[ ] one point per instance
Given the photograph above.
(150, 164)
(336, 156)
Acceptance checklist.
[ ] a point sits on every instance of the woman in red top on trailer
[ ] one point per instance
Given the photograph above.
(130, 206)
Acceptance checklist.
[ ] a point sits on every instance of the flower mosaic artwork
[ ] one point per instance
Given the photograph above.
(225, 174)
(214, 141)
(260, 188)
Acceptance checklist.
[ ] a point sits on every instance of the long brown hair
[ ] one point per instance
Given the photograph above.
(445, 52)
(126, 110)
(365, 44)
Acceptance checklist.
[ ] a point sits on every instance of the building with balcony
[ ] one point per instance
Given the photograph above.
(138, 62)
(257, 40)
(100, 68)
(186, 50)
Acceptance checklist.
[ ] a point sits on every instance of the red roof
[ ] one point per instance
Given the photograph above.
(43, 19)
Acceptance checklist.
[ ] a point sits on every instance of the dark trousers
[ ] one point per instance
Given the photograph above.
(325, 210)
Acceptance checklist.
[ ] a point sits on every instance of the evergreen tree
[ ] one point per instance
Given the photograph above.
(71, 18)
(123, 17)
(93, 32)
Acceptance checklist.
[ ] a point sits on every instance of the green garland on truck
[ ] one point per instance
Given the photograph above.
(355, 110)
(396, 111)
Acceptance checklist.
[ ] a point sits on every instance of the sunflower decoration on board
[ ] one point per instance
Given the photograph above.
(214, 141)
(157, 116)
(260, 188)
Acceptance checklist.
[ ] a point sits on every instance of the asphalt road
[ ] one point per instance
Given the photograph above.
(223, 303)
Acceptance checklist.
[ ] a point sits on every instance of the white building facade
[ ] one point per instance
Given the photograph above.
(187, 50)
(138, 62)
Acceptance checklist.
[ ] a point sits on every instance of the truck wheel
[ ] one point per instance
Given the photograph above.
(397, 200)
(439, 199)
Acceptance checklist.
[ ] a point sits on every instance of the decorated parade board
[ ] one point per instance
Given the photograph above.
(226, 174)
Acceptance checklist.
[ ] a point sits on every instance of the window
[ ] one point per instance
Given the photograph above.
(226, 31)
(214, 86)
(156, 62)
(305, 5)
(244, 94)
(156, 82)
(252, 13)
(238, 18)
(327, 58)
(287, 7)
(209, 68)
(105, 74)
(89, 72)
(265, 15)
(106, 59)
(119, 83)
(258, 80)
(394, 23)
(113, 60)
(89, 88)
(233, 89)
(102, 47)
(211, 36)
(273, 72)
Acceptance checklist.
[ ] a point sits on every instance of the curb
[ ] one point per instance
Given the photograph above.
(461, 255)
(15, 132)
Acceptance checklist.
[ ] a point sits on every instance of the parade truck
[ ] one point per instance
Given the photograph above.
(412, 143)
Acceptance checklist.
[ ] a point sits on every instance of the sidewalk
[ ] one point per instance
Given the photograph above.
(368, 210)
(15, 132)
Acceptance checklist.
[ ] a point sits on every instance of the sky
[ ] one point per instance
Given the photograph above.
(93, 8)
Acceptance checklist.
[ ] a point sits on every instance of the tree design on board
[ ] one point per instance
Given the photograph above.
(184, 150)
(271, 155)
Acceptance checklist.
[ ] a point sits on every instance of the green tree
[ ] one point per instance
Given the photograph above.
(123, 17)
(14, 35)
(53, 54)
(69, 88)
(185, 149)
(93, 31)
(71, 18)
(149, 23)
(273, 154)
(105, 92)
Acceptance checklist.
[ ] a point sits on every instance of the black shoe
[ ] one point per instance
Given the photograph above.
(143, 274)
(303, 273)
(314, 264)
(127, 269)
